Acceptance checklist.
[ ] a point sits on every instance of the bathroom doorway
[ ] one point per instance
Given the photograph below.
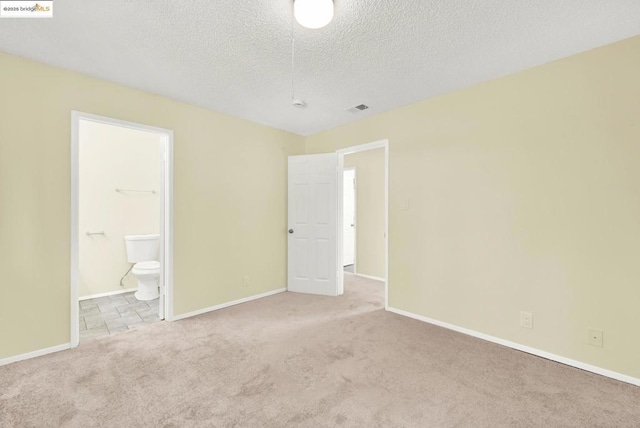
(121, 225)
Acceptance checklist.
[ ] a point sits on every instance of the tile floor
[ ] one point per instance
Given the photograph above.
(111, 314)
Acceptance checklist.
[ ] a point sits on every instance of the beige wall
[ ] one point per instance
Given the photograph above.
(113, 157)
(230, 198)
(369, 167)
(524, 195)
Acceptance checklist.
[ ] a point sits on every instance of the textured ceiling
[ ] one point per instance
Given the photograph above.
(235, 56)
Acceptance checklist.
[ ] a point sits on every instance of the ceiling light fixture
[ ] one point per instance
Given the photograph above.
(313, 13)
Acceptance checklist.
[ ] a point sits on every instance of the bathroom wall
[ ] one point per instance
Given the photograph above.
(113, 157)
(369, 211)
(523, 195)
(230, 181)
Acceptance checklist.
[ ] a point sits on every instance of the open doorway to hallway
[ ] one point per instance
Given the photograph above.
(364, 213)
(316, 223)
(349, 219)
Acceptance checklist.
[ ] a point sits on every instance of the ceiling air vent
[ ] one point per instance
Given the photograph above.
(357, 109)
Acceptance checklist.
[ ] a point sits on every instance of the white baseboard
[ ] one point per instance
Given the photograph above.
(523, 348)
(369, 276)
(108, 293)
(33, 354)
(226, 305)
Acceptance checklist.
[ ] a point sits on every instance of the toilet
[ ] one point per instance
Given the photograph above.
(142, 250)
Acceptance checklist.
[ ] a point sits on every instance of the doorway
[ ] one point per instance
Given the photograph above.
(349, 219)
(371, 193)
(121, 191)
(315, 231)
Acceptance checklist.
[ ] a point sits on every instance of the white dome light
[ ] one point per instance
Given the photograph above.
(313, 13)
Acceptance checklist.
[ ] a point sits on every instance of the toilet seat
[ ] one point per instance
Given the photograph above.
(147, 267)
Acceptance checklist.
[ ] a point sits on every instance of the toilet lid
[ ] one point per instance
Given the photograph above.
(147, 265)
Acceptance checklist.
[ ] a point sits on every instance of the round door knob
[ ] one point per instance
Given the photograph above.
(290, 230)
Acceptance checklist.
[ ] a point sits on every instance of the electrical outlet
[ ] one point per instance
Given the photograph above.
(245, 280)
(595, 337)
(526, 319)
(405, 205)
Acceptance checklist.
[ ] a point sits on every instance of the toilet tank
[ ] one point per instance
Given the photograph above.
(142, 248)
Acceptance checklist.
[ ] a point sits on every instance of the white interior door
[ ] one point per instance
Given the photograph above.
(312, 217)
(349, 219)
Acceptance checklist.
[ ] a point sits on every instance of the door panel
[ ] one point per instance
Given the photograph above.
(301, 260)
(312, 212)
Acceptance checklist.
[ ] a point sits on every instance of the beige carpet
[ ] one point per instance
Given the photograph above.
(297, 360)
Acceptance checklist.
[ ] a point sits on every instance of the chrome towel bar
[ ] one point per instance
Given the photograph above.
(95, 233)
(134, 190)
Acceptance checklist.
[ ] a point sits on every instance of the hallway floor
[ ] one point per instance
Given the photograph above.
(112, 314)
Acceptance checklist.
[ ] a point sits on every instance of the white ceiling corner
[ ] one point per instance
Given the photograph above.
(234, 57)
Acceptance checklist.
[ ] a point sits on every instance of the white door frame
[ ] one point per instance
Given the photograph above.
(166, 216)
(355, 215)
(341, 154)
